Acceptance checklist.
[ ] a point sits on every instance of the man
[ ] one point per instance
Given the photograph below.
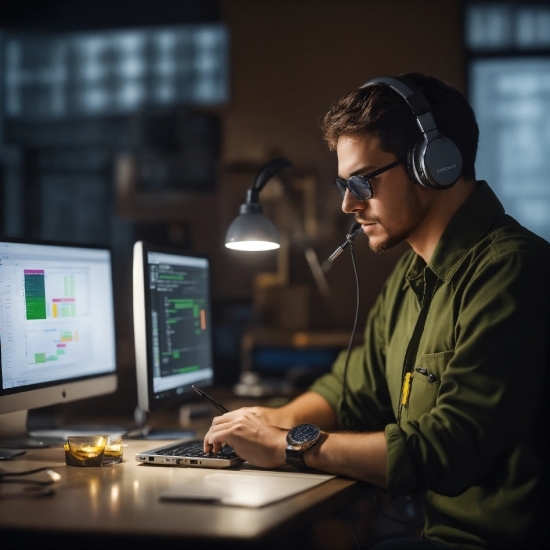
(442, 398)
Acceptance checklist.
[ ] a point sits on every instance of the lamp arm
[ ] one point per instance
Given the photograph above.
(264, 175)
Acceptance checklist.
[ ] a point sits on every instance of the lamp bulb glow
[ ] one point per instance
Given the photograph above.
(252, 246)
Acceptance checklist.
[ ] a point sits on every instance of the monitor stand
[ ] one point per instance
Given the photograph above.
(14, 434)
(144, 431)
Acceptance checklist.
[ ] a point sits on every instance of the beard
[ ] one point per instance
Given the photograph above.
(391, 240)
(415, 215)
(386, 244)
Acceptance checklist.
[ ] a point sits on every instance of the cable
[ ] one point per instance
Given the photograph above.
(5, 477)
(408, 525)
(352, 338)
(344, 377)
(3, 473)
(28, 481)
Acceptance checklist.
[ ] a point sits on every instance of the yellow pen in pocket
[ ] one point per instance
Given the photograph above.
(406, 388)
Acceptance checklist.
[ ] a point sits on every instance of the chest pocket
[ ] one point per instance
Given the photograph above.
(425, 383)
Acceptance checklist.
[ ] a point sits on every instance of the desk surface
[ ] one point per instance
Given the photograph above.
(123, 500)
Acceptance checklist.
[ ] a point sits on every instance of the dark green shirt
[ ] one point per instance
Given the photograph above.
(470, 434)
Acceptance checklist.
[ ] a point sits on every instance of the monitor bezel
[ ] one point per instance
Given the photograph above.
(57, 392)
(143, 328)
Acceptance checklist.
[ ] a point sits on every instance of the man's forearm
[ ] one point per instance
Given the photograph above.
(360, 456)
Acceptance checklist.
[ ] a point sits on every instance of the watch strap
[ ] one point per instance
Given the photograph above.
(295, 458)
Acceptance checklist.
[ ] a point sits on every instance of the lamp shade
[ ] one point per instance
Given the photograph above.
(252, 231)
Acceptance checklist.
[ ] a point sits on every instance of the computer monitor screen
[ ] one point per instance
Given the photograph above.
(57, 330)
(172, 325)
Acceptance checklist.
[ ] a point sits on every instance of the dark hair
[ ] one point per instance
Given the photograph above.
(382, 112)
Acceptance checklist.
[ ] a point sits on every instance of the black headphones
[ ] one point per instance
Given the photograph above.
(434, 161)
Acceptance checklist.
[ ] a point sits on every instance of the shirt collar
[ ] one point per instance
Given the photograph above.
(471, 221)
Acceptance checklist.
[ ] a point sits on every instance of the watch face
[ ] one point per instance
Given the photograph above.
(303, 433)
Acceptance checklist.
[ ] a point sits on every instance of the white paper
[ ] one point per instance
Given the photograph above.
(251, 489)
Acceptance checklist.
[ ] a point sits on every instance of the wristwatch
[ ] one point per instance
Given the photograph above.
(299, 439)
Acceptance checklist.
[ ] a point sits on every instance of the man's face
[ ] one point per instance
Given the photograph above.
(396, 210)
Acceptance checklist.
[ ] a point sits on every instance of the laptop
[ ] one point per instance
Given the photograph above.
(189, 454)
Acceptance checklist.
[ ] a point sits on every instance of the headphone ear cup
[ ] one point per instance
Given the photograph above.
(415, 164)
(436, 164)
(410, 166)
(441, 163)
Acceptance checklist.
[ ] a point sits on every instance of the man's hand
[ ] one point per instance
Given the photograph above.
(269, 415)
(309, 407)
(252, 438)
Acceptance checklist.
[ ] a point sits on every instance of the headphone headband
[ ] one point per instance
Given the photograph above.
(408, 91)
(435, 162)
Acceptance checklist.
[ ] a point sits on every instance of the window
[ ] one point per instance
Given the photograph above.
(509, 89)
(115, 72)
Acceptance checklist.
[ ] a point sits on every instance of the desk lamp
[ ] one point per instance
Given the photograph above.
(251, 230)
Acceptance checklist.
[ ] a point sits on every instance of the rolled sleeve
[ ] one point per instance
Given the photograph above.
(329, 387)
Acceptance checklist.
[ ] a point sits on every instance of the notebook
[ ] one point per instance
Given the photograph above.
(189, 454)
(246, 488)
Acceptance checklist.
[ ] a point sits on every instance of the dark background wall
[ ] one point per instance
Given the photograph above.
(290, 59)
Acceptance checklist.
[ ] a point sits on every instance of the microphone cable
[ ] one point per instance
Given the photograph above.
(352, 338)
(353, 234)
(407, 524)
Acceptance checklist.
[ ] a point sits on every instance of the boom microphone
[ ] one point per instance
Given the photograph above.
(350, 237)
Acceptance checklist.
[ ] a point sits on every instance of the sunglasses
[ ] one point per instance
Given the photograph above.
(359, 186)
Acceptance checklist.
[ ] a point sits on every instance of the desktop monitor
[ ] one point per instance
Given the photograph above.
(172, 325)
(57, 330)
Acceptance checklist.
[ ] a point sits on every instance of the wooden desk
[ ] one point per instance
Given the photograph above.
(119, 505)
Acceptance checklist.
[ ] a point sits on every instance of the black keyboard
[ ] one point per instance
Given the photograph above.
(196, 450)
